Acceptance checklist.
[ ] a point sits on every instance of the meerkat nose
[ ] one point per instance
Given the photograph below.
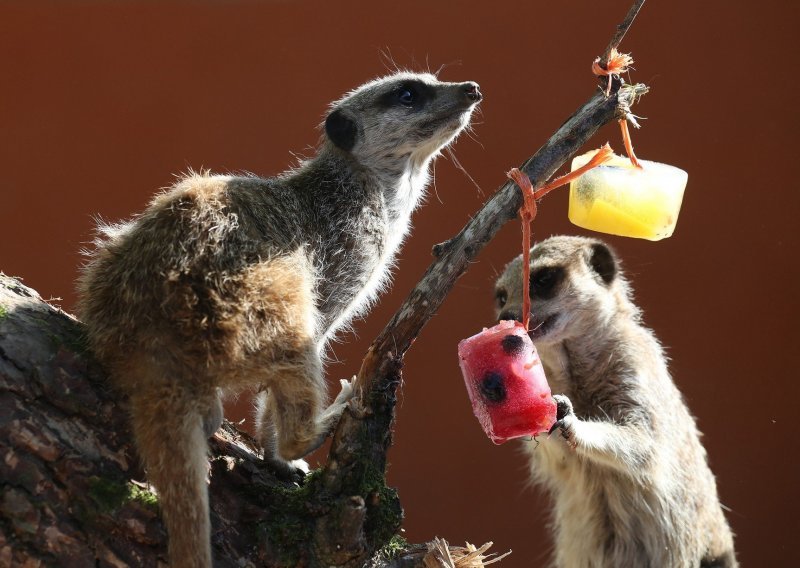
(472, 91)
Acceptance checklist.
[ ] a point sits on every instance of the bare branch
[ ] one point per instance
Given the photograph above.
(364, 433)
(622, 29)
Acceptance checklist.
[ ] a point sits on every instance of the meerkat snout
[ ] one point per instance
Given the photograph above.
(472, 91)
(570, 281)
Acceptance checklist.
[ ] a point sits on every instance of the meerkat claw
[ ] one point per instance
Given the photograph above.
(563, 414)
(563, 406)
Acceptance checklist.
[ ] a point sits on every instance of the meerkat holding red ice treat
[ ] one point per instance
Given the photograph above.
(624, 463)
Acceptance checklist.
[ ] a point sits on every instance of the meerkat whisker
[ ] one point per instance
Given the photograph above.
(458, 166)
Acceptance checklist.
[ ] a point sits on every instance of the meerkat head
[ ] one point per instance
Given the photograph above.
(398, 123)
(575, 287)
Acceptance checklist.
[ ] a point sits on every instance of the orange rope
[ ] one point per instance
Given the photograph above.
(626, 139)
(603, 154)
(527, 214)
(529, 209)
(617, 64)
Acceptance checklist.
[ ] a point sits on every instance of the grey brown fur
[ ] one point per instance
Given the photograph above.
(626, 468)
(231, 283)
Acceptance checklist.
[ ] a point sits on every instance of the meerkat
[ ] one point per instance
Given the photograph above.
(228, 283)
(624, 462)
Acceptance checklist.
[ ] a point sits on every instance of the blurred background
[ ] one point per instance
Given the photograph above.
(101, 103)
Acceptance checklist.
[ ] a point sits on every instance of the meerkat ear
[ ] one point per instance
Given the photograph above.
(341, 130)
(602, 261)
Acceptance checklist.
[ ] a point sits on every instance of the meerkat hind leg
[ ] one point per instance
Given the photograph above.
(295, 403)
(267, 436)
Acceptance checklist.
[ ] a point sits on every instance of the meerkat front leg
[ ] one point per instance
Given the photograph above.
(623, 447)
(290, 419)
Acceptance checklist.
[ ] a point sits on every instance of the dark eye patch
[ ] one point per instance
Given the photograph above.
(501, 297)
(545, 281)
(408, 94)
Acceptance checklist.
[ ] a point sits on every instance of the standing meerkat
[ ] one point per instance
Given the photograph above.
(629, 475)
(226, 283)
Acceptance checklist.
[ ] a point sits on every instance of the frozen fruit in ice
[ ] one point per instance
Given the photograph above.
(506, 383)
(620, 199)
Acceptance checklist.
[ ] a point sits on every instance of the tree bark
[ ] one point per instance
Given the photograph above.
(363, 435)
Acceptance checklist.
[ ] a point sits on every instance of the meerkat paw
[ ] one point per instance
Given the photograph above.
(565, 420)
(328, 420)
(334, 411)
(301, 465)
(292, 470)
(346, 393)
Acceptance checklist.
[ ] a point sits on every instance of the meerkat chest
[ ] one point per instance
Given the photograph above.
(359, 249)
(358, 259)
(396, 223)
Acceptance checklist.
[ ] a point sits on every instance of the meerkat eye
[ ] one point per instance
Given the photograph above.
(544, 281)
(501, 298)
(406, 96)
(543, 278)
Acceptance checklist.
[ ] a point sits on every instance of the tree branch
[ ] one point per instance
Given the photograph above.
(622, 29)
(364, 434)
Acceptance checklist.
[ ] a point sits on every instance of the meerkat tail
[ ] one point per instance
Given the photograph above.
(172, 445)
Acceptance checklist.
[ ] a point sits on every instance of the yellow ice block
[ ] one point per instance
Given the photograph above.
(620, 199)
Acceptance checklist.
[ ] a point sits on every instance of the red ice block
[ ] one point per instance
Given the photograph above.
(506, 383)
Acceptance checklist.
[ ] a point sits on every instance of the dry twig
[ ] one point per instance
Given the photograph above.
(362, 438)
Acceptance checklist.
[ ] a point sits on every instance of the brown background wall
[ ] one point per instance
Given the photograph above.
(100, 103)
